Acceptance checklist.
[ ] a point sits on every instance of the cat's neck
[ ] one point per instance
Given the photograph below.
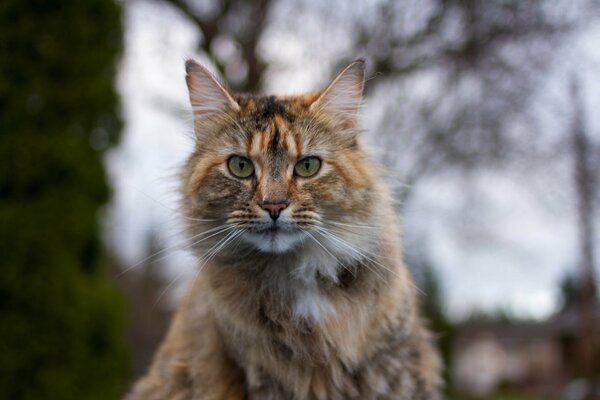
(304, 284)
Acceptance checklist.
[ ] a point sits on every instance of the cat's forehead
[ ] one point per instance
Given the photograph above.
(275, 126)
(261, 110)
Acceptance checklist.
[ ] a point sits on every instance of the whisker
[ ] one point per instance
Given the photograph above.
(170, 248)
(206, 258)
(357, 250)
(358, 234)
(352, 248)
(227, 240)
(328, 252)
(227, 228)
(164, 291)
(352, 225)
(209, 231)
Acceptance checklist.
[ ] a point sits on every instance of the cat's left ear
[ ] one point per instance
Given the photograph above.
(341, 99)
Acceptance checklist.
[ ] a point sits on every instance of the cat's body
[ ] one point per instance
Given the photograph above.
(302, 293)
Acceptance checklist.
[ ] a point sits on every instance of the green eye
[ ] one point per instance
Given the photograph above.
(240, 166)
(307, 167)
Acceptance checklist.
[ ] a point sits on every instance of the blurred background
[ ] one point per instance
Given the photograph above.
(485, 113)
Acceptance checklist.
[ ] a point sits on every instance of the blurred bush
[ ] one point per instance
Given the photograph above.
(60, 320)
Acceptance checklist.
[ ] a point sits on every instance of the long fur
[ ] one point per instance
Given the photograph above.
(323, 308)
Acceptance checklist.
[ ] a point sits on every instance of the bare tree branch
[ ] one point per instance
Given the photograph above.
(254, 15)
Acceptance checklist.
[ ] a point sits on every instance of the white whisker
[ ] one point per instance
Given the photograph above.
(214, 250)
(351, 248)
(361, 226)
(224, 228)
(328, 252)
(359, 249)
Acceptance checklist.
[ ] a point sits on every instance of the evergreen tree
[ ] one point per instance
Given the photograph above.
(60, 319)
(432, 306)
(570, 292)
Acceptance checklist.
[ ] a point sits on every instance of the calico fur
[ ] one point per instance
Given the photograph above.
(315, 305)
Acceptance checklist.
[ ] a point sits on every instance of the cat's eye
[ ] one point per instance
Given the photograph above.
(307, 167)
(240, 166)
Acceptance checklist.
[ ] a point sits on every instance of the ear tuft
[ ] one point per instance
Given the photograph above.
(208, 97)
(343, 95)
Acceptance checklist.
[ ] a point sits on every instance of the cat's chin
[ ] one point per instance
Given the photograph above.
(275, 241)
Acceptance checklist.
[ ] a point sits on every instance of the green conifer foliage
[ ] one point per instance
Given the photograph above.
(60, 319)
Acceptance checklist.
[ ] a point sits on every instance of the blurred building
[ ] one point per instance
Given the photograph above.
(534, 357)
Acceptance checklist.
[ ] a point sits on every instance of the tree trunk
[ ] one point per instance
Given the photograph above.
(584, 181)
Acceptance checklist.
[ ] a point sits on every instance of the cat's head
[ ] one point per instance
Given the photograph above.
(276, 172)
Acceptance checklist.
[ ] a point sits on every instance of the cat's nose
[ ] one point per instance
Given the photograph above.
(273, 208)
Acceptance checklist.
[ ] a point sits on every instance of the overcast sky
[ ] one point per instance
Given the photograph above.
(494, 241)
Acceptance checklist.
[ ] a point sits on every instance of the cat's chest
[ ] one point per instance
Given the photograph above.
(312, 305)
(317, 326)
(304, 311)
(301, 289)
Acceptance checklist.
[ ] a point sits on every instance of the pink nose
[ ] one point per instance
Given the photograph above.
(274, 208)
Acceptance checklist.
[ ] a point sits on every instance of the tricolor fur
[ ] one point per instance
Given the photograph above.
(315, 304)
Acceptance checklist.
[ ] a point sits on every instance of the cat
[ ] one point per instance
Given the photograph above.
(301, 291)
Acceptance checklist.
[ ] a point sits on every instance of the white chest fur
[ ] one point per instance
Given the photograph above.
(309, 300)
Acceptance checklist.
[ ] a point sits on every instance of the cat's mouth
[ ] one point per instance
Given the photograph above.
(275, 238)
(272, 229)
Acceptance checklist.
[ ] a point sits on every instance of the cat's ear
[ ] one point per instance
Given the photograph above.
(342, 97)
(208, 97)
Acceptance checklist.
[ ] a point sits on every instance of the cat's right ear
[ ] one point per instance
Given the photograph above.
(208, 97)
